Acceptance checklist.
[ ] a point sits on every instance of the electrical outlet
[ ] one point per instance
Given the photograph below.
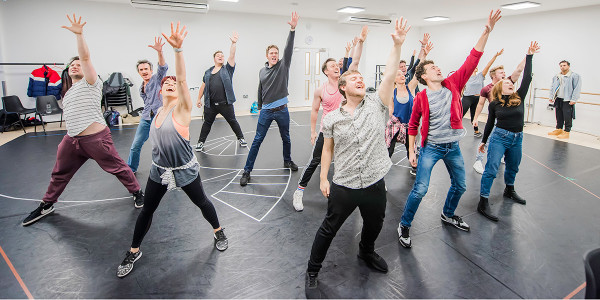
(245, 96)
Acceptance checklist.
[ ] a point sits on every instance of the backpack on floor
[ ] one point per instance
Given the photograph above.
(111, 116)
(254, 108)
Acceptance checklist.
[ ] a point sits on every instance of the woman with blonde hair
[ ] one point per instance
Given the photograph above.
(506, 110)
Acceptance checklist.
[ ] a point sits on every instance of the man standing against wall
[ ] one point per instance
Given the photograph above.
(152, 101)
(565, 91)
(272, 101)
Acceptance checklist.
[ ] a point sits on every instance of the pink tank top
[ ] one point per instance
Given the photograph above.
(329, 101)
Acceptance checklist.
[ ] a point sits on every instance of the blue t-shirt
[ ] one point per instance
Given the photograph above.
(402, 111)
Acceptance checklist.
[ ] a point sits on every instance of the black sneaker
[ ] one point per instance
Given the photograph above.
(404, 236)
(138, 199)
(311, 285)
(374, 261)
(199, 146)
(245, 178)
(457, 222)
(127, 265)
(477, 134)
(43, 210)
(221, 242)
(413, 171)
(291, 165)
(243, 143)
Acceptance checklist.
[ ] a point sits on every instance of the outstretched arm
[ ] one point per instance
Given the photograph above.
(412, 84)
(289, 45)
(489, 26)
(358, 49)
(234, 38)
(387, 83)
(89, 72)
(491, 62)
(527, 76)
(184, 106)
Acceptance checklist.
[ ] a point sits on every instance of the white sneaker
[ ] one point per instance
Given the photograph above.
(478, 166)
(297, 202)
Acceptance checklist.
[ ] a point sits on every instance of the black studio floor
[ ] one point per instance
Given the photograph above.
(535, 251)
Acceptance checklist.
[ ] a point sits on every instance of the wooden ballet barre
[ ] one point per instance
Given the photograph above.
(578, 102)
(594, 94)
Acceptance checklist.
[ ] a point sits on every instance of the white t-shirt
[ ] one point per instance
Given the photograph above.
(81, 105)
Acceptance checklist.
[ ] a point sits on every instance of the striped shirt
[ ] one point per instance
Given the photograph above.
(440, 130)
(82, 106)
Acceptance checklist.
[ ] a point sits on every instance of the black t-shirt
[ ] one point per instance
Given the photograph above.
(216, 88)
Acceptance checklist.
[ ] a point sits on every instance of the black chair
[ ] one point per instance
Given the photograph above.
(591, 261)
(116, 92)
(13, 105)
(45, 106)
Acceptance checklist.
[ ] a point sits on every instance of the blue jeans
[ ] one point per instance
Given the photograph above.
(429, 156)
(502, 143)
(282, 117)
(141, 136)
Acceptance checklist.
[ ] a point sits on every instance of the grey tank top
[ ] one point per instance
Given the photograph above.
(171, 150)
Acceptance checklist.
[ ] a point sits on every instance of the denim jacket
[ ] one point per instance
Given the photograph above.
(226, 77)
(571, 85)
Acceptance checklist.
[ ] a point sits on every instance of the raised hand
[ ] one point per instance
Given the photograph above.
(492, 19)
(177, 36)
(425, 40)
(294, 21)
(499, 52)
(400, 30)
(348, 47)
(533, 48)
(414, 52)
(363, 34)
(428, 48)
(158, 44)
(354, 41)
(76, 26)
(234, 37)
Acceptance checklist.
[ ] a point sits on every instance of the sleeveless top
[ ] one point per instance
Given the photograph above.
(330, 102)
(174, 162)
(402, 111)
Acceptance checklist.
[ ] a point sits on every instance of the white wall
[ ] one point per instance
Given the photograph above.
(567, 34)
(118, 35)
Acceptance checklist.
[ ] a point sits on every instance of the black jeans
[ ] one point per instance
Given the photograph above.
(154, 193)
(371, 202)
(470, 103)
(564, 114)
(314, 162)
(210, 113)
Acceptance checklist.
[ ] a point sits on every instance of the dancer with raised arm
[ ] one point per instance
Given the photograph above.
(507, 112)
(87, 136)
(174, 163)
(354, 137)
(440, 110)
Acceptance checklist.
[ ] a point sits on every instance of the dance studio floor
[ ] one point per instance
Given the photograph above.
(535, 251)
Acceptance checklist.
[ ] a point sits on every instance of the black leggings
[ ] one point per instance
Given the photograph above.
(470, 103)
(210, 113)
(154, 193)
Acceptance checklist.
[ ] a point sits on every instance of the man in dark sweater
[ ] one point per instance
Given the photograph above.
(272, 102)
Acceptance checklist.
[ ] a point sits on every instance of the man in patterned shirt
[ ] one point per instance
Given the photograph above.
(87, 134)
(354, 135)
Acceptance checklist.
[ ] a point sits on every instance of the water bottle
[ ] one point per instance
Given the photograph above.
(48, 108)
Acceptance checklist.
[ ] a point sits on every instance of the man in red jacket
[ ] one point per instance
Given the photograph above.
(440, 108)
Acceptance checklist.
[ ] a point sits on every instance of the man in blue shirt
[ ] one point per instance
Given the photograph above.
(152, 101)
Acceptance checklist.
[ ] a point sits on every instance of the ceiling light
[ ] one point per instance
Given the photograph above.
(350, 10)
(436, 19)
(520, 5)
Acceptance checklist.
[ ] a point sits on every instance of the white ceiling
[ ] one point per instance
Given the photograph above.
(414, 10)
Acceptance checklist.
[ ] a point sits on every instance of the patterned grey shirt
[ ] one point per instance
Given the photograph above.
(360, 153)
(440, 129)
(474, 85)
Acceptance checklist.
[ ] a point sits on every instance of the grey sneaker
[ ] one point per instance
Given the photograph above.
(221, 242)
(127, 265)
(457, 222)
(199, 146)
(297, 202)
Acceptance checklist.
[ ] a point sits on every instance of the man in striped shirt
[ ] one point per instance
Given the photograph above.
(87, 134)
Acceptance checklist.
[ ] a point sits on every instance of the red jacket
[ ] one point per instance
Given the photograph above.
(455, 83)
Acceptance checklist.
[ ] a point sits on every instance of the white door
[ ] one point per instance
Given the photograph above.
(305, 75)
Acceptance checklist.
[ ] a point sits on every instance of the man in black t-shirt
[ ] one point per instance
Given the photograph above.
(217, 89)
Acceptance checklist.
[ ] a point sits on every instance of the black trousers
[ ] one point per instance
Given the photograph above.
(564, 114)
(154, 193)
(314, 162)
(371, 202)
(470, 103)
(210, 113)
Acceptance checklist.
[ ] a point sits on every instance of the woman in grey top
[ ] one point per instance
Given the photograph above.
(174, 163)
(472, 89)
